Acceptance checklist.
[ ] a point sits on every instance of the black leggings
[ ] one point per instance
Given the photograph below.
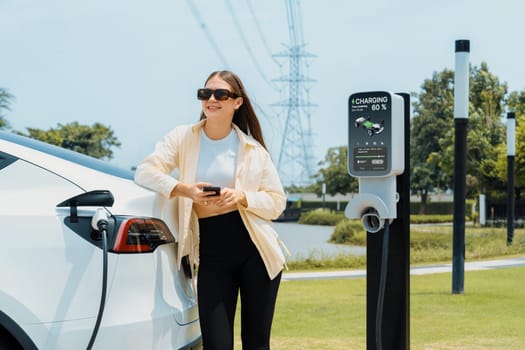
(229, 263)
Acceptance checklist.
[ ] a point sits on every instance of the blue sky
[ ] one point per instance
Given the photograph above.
(135, 65)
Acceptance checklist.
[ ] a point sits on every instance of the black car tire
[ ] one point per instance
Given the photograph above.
(7, 341)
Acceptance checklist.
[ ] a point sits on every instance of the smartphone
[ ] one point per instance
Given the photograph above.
(216, 190)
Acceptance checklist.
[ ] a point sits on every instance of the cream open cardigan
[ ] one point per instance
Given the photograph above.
(256, 175)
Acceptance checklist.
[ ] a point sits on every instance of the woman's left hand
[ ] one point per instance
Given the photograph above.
(231, 197)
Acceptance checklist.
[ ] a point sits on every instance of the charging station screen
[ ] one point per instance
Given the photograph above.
(370, 159)
(369, 136)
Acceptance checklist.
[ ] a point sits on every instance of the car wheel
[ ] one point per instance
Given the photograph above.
(8, 342)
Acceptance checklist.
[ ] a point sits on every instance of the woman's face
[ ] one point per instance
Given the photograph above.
(215, 109)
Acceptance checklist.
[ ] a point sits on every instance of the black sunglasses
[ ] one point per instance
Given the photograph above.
(220, 94)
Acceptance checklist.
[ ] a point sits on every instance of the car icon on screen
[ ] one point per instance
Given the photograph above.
(371, 127)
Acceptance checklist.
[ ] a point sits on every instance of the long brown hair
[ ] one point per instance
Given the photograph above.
(244, 117)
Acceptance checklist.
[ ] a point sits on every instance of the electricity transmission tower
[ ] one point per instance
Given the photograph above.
(296, 162)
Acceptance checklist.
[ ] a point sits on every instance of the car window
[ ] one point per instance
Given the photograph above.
(6, 159)
(66, 154)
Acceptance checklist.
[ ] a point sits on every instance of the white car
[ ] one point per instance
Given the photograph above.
(59, 287)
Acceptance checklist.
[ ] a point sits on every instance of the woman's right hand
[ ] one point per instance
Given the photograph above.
(194, 192)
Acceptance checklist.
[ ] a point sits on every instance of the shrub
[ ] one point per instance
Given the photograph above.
(349, 232)
(318, 260)
(431, 219)
(324, 217)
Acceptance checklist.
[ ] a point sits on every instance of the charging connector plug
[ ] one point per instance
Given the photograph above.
(100, 220)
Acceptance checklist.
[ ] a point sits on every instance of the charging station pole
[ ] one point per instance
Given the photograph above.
(511, 151)
(461, 99)
(396, 310)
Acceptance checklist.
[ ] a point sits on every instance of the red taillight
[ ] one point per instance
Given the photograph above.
(141, 235)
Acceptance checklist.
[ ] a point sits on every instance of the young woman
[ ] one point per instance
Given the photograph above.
(228, 233)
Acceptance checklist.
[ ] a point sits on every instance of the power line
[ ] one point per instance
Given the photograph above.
(263, 39)
(246, 44)
(198, 17)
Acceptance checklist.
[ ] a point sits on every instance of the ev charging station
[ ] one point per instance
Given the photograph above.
(378, 155)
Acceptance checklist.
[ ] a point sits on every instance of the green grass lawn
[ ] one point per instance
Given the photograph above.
(330, 314)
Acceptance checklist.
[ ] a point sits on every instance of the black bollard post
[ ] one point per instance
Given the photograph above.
(511, 152)
(461, 98)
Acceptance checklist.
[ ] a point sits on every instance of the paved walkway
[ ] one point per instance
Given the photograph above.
(416, 270)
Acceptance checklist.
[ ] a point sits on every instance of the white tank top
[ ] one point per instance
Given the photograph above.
(218, 159)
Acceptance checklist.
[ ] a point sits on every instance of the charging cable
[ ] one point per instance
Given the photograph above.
(99, 222)
(382, 285)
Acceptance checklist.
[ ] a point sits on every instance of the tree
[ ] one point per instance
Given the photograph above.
(421, 183)
(96, 140)
(516, 104)
(5, 105)
(485, 132)
(433, 117)
(432, 132)
(334, 173)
